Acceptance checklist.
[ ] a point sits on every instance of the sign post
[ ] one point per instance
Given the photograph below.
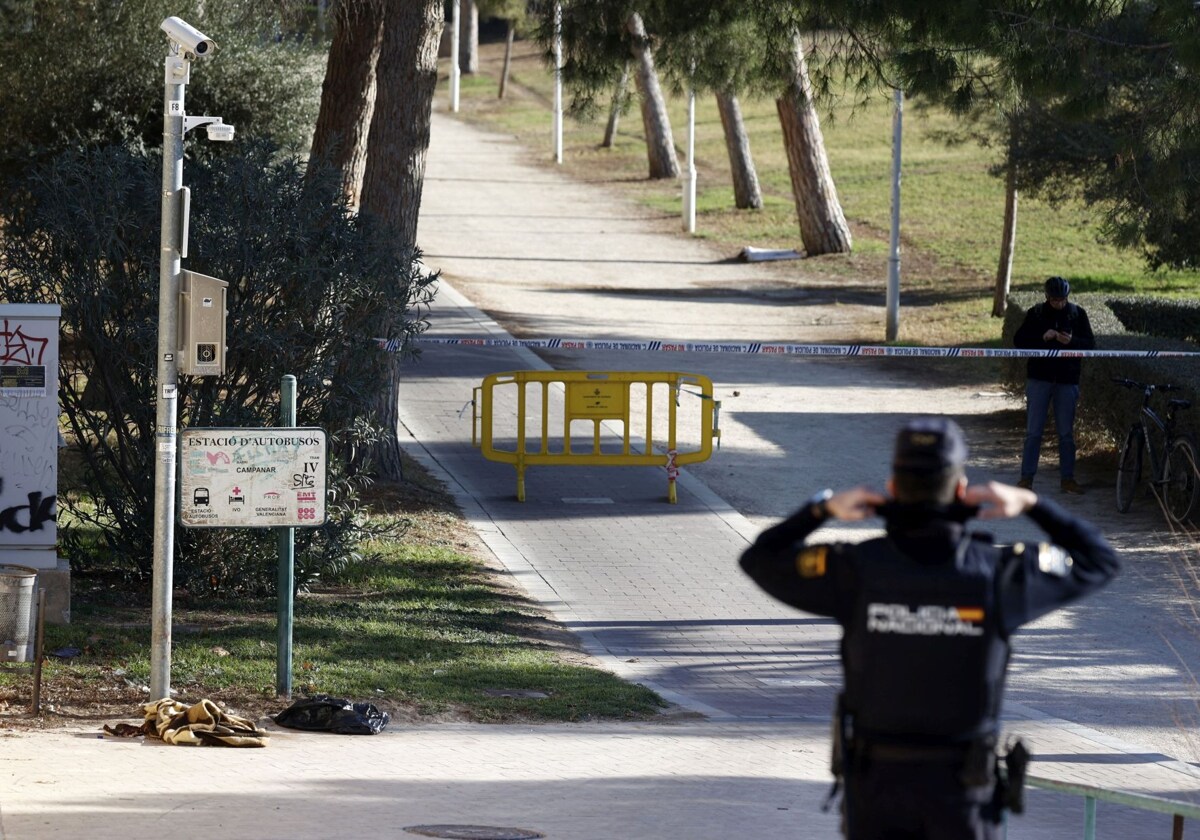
(259, 478)
(286, 582)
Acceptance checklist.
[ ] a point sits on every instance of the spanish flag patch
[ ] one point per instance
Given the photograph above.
(810, 563)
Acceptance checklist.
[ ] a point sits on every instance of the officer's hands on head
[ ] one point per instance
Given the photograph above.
(999, 501)
(857, 503)
(994, 500)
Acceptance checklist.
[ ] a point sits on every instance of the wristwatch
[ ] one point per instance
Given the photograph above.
(817, 506)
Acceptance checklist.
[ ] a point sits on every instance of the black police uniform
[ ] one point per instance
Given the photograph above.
(927, 613)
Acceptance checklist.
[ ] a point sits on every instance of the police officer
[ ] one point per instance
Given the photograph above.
(927, 614)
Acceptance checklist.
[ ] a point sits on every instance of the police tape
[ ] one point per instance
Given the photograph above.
(765, 349)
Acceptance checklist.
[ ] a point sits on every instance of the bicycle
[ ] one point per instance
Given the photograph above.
(1173, 472)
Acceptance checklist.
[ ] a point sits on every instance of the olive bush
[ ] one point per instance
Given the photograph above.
(89, 73)
(311, 286)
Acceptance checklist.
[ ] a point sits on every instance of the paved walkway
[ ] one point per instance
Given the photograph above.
(652, 589)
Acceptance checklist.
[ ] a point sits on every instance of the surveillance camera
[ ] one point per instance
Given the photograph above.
(189, 39)
(220, 131)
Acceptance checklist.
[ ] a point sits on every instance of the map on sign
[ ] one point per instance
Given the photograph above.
(252, 478)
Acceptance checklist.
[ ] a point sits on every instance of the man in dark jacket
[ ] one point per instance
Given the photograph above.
(927, 613)
(1056, 324)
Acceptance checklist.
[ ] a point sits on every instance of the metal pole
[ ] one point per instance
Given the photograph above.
(558, 108)
(39, 646)
(893, 285)
(689, 192)
(177, 69)
(455, 36)
(286, 582)
(1089, 818)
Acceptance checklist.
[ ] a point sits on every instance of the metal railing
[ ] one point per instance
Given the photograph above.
(1092, 795)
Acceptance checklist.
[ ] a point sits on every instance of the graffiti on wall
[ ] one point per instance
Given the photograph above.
(28, 431)
(28, 517)
(19, 348)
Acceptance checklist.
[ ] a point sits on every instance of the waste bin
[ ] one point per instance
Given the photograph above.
(17, 587)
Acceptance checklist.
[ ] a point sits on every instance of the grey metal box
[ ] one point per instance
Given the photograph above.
(201, 324)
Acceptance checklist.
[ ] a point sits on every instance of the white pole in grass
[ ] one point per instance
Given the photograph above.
(454, 47)
(558, 106)
(689, 189)
(893, 283)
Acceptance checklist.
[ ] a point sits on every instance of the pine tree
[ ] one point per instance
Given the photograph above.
(721, 47)
(348, 92)
(404, 46)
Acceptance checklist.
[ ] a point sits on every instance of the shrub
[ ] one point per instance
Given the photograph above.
(1178, 319)
(89, 73)
(310, 285)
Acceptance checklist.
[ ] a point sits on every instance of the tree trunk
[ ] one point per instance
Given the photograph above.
(508, 45)
(660, 145)
(823, 228)
(398, 141)
(1007, 246)
(399, 136)
(746, 192)
(348, 93)
(468, 37)
(618, 105)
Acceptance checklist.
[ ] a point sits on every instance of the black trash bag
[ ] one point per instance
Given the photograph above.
(322, 713)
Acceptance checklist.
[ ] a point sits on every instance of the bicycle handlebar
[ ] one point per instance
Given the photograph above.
(1129, 383)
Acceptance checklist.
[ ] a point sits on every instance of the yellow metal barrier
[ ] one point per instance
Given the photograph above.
(567, 397)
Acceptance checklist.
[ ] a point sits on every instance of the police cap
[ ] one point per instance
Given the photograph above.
(930, 444)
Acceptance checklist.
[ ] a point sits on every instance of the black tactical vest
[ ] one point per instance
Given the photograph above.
(923, 651)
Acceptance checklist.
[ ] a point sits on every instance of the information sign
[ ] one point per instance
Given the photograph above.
(598, 400)
(252, 478)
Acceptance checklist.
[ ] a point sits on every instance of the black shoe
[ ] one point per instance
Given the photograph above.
(1070, 485)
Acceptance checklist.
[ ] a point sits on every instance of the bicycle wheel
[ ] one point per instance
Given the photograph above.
(1181, 481)
(1129, 470)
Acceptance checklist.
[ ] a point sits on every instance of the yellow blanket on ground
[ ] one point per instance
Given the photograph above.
(201, 724)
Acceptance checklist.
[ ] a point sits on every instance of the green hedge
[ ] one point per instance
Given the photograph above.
(1159, 316)
(1106, 409)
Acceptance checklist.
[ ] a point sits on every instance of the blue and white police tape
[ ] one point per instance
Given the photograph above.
(766, 349)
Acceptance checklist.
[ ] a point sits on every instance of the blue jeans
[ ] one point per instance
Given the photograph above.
(1039, 395)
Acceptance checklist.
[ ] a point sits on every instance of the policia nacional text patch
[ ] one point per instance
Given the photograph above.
(810, 563)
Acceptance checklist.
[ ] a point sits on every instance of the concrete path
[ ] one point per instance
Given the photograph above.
(1120, 661)
(693, 781)
(651, 588)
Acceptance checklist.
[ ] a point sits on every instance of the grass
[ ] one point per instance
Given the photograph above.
(952, 208)
(425, 632)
